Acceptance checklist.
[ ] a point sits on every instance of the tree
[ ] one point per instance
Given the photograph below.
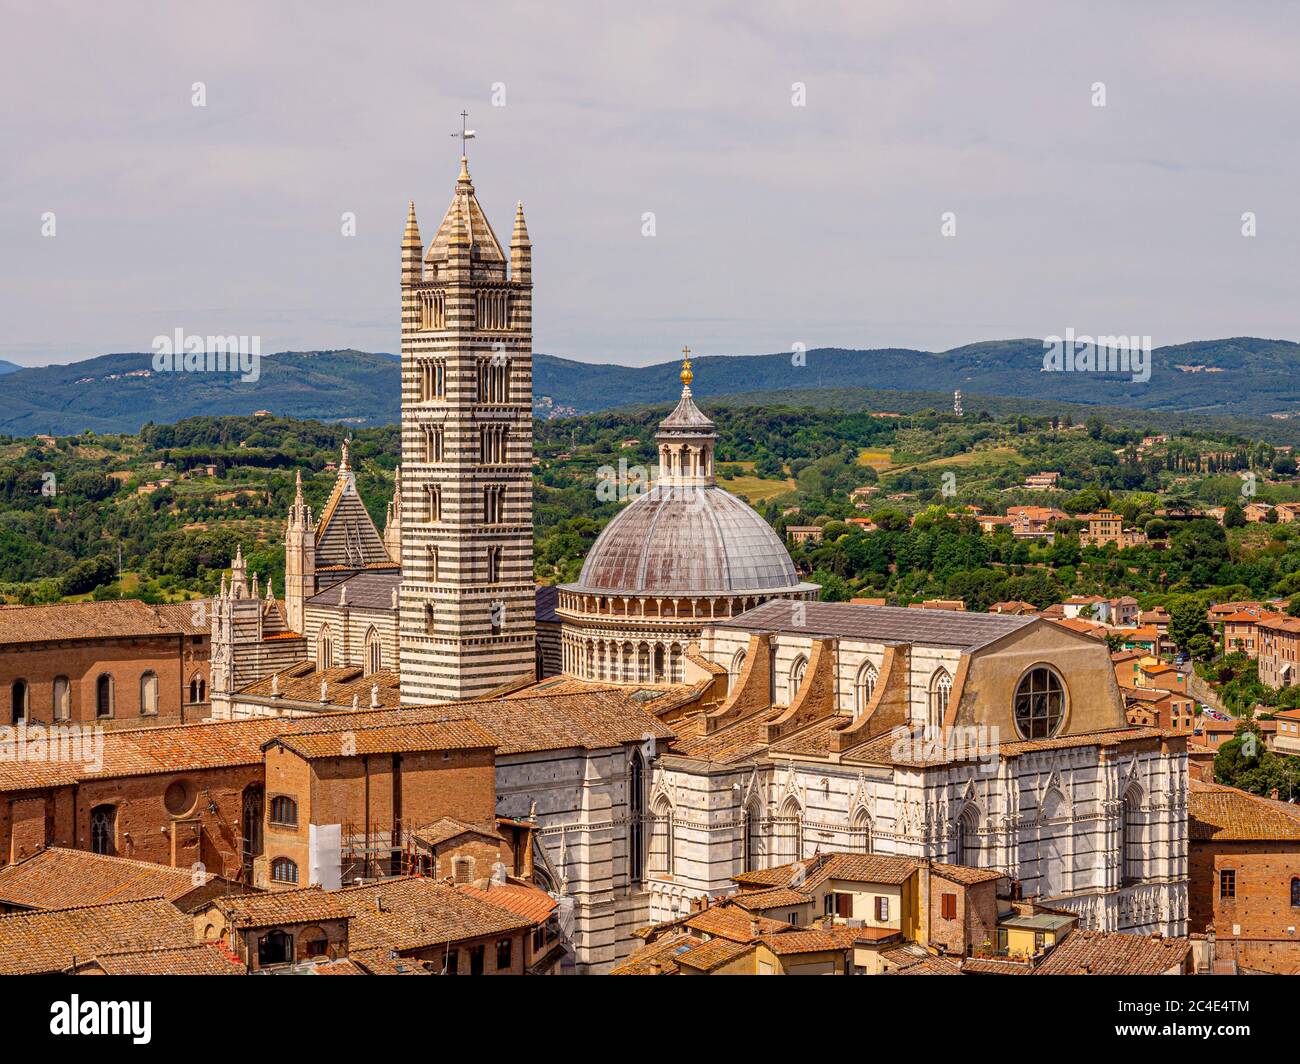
(1187, 621)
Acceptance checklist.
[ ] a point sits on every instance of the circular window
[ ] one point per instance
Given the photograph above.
(1040, 703)
(178, 798)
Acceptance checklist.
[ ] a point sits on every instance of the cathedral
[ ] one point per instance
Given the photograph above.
(784, 727)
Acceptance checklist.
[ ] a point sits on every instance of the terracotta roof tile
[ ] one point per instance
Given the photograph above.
(114, 618)
(58, 878)
(418, 913)
(1215, 812)
(48, 941)
(205, 959)
(306, 906)
(1113, 953)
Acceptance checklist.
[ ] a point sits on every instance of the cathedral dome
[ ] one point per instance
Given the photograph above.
(688, 540)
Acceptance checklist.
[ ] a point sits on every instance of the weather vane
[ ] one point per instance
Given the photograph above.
(464, 134)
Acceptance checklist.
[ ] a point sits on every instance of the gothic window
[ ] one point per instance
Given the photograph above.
(429, 624)
(1131, 838)
(284, 870)
(797, 670)
(940, 693)
(493, 564)
(198, 689)
(1295, 891)
(737, 666)
(104, 696)
(251, 822)
(103, 830)
(433, 564)
(968, 840)
(1052, 845)
(1039, 703)
(790, 826)
(374, 652)
(18, 699)
(434, 502)
(753, 838)
(636, 817)
(324, 649)
(62, 698)
(661, 838)
(861, 826)
(864, 687)
(149, 694)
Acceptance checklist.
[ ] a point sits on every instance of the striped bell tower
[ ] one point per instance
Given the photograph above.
(467, 600)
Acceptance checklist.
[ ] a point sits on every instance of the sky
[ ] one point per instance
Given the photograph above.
(781, 215)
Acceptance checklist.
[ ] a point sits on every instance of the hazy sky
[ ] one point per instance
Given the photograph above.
(775, 224)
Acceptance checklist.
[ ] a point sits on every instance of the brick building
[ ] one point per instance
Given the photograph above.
(114, 664)
(1244, 876)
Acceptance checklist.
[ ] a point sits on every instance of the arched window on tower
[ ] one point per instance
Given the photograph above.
(864, 686)
(940, 693)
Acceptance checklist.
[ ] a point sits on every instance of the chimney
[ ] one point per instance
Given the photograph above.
(656, 968)
(754, 926)
(1273, 794)
(379, 904)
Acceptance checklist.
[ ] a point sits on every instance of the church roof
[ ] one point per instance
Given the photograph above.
(365, 591)
(881, 624)
(465, 220)
(346, 535)
(688, 540)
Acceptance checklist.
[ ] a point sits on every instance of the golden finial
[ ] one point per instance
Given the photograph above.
(687, 375)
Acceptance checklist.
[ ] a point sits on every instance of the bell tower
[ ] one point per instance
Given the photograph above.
(467, 599)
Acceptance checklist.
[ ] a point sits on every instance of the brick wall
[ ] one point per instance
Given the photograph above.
(1253, 926)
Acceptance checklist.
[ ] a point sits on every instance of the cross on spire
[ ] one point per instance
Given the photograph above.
(686, 374)
(464, 134)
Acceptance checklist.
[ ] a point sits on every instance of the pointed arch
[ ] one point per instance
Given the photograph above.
(864, 686)
(737, 667)
(324, 648)
(1131, 836)
(967, 837)
(860, 826)
(940, 693)
(661, 836)
(636, 788)
(374, 660)
(754, 850)
(797, 669)
(790, 831)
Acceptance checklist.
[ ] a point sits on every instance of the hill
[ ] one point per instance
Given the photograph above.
(120, 392)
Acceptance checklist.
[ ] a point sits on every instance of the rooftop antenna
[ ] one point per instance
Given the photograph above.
(464, 134)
